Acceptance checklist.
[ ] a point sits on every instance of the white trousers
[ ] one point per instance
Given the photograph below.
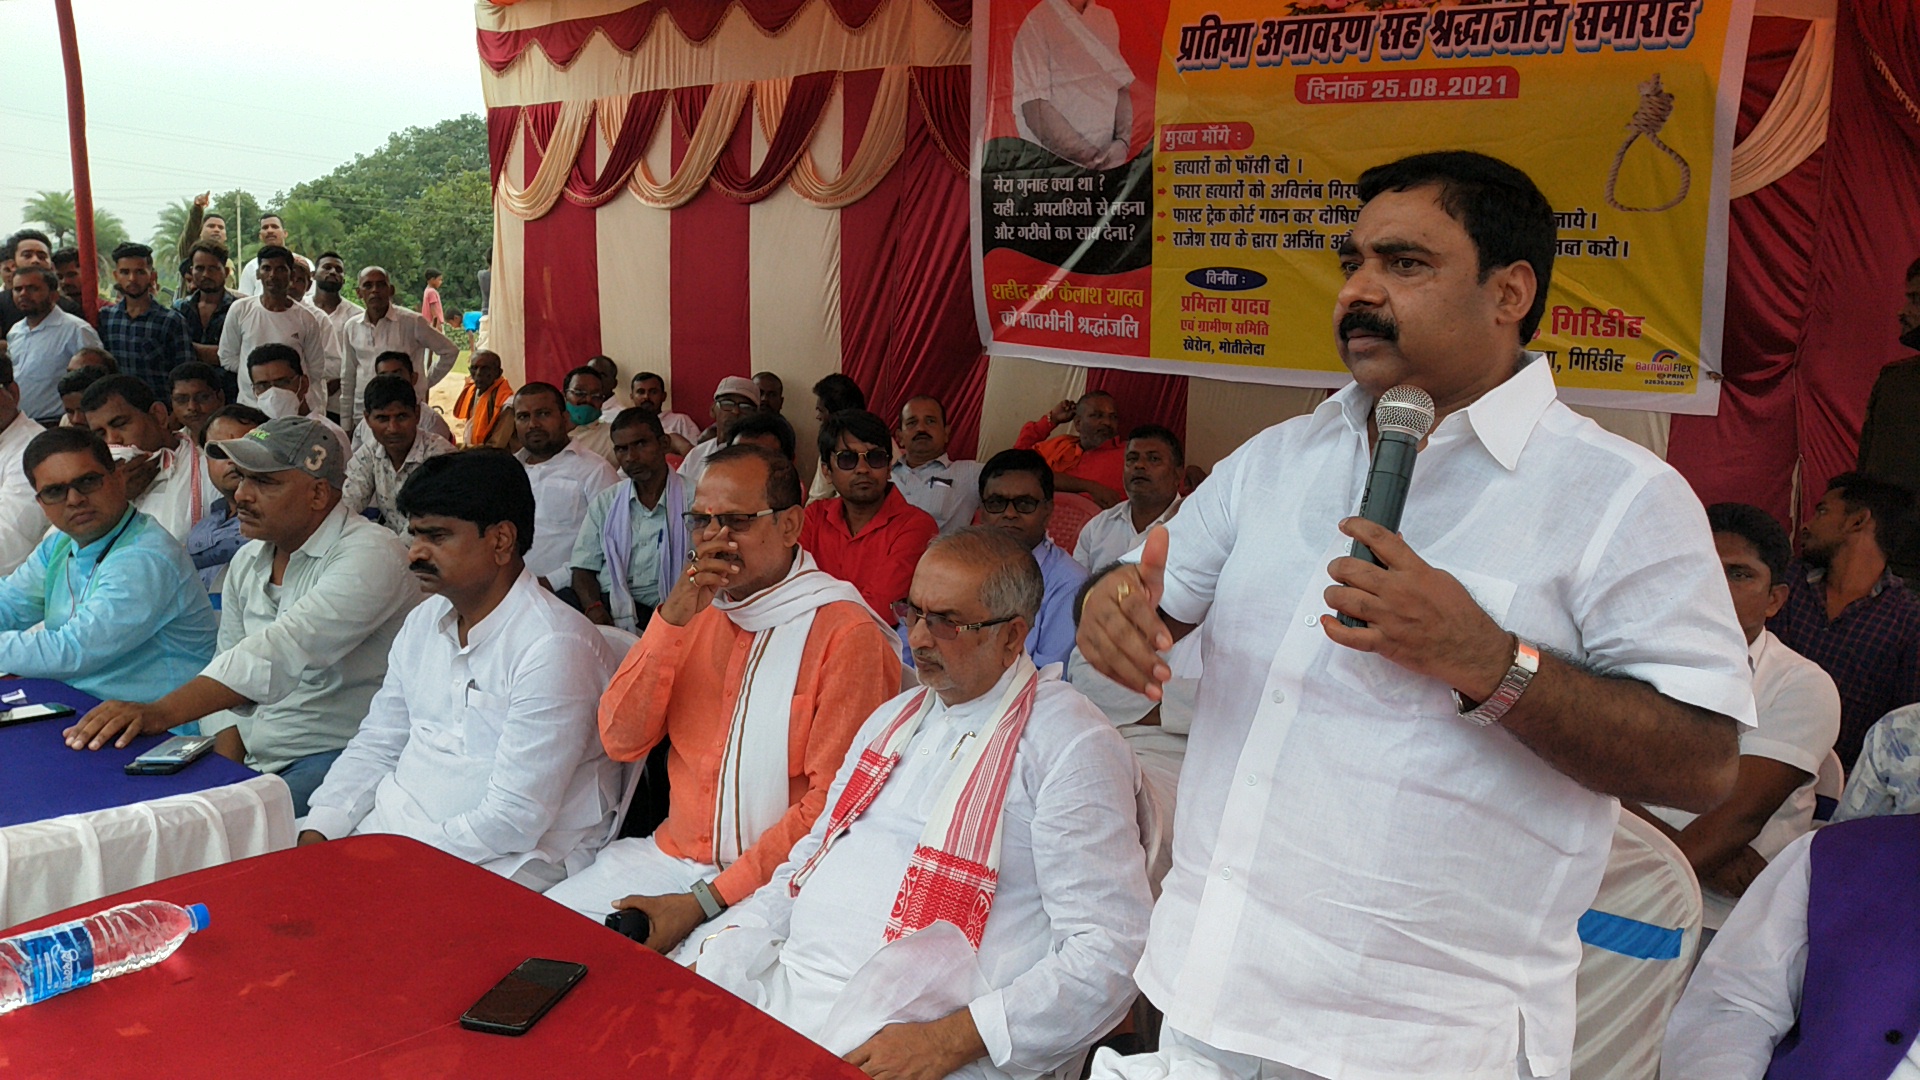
(636, 866)
(1183, 1057)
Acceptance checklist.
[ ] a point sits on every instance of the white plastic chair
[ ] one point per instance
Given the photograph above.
(1637, 947)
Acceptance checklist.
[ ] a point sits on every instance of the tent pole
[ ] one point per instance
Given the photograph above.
(77, 150)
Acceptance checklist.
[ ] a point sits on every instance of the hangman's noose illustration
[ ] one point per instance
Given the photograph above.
(1656, 105)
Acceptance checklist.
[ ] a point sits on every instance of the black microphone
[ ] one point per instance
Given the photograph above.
(1403, 416)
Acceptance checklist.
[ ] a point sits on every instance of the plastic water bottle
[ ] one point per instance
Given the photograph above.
(36, 966)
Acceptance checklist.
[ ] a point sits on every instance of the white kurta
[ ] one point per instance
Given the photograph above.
(1352, 861)
(1071, 59)
(563, 485)
(1069, 915)
(489, 751)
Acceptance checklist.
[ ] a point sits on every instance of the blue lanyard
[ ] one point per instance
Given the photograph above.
(73, 553)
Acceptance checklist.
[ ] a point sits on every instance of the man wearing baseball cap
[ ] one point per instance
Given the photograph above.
(733, 400)
(310, 607)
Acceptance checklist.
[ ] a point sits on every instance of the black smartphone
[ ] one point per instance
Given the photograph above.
(23, 713)
(631, 922)
(518, 1001)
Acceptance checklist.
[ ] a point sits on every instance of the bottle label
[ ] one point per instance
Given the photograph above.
(61, 958)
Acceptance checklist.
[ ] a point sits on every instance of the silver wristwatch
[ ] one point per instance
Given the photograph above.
(710, 903)
(1526, 661)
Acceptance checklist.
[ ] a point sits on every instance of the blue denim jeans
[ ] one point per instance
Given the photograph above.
(304, 777)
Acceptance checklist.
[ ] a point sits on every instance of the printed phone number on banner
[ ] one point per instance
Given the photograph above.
(1461, 84)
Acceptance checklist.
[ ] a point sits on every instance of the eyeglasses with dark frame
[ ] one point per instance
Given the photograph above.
(731, 522)
(55, 494)
(942, 627)
(997, 504)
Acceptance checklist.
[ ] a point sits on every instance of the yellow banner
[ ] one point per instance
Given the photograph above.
(1163, 184)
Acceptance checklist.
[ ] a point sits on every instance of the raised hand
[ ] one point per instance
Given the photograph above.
(1121, 631)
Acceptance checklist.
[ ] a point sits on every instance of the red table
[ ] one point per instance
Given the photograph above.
(357, 957)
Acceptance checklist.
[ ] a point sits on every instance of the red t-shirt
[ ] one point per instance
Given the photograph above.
(880, 561)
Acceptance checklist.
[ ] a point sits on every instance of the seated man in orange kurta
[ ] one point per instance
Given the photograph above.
(1087, 463)
(758, 669)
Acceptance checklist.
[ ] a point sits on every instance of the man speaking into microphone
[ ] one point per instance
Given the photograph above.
(1387, 832)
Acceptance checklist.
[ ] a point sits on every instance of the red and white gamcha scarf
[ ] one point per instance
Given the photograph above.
(956, 866)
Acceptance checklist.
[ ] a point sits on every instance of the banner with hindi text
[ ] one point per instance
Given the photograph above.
(1163, 185)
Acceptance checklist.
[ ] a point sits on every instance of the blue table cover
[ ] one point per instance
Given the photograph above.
(41, 778)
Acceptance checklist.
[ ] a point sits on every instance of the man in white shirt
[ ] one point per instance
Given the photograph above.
(21, 527)
(1798, 710)
(1811, 978)
(565, 479)
(383, 326)
(329, 281)
(1070, 83)
(123, 411)
(1156, 730)
(650, 393)
(395, 448)
(42, 341)
(307, 615)
(948, 490)
(915, 946)
(274, 317)
(586, 390)
(280, 387)
(273, 233)
(1449, 846)
(1155, 462)
(734, 399)
(483, 740)
(395, 362)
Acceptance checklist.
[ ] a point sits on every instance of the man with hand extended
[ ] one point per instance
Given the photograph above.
(756, 669)
(108, 602)
(309, 610)
(1549, 632)
(481, 741)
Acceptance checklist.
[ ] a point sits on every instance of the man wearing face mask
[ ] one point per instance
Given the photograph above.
(756, 669)
(275, 318)
(1890, 436)
(308, 615)
(586, 391)
(280, 386)
(384, 326)
(123, 411)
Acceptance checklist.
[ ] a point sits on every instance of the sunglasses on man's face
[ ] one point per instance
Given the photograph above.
(877, 458)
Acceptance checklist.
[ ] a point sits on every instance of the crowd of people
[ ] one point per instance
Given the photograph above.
(947, 784)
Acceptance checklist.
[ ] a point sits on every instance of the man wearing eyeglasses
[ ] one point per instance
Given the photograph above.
(124, 613)
(1016, 494)
(735, 399)
(869, 534)
(974, 899)
(757, 668)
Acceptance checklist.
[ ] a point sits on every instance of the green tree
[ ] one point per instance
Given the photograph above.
(313, 226)
(166, 231)
(54, 212)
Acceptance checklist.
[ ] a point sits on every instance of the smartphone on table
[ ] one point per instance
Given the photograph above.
(21, 714)
(516, 1002)
(171, 756)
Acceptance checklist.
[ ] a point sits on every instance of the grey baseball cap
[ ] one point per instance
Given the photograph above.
(288, 443)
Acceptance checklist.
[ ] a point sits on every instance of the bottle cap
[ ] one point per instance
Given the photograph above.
(198, 914)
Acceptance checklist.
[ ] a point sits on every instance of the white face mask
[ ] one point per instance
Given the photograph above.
(278, 402)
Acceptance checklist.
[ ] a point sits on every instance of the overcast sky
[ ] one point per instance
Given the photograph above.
(259, 94)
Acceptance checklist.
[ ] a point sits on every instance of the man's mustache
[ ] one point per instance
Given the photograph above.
(1368, 322)
(422, 566)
